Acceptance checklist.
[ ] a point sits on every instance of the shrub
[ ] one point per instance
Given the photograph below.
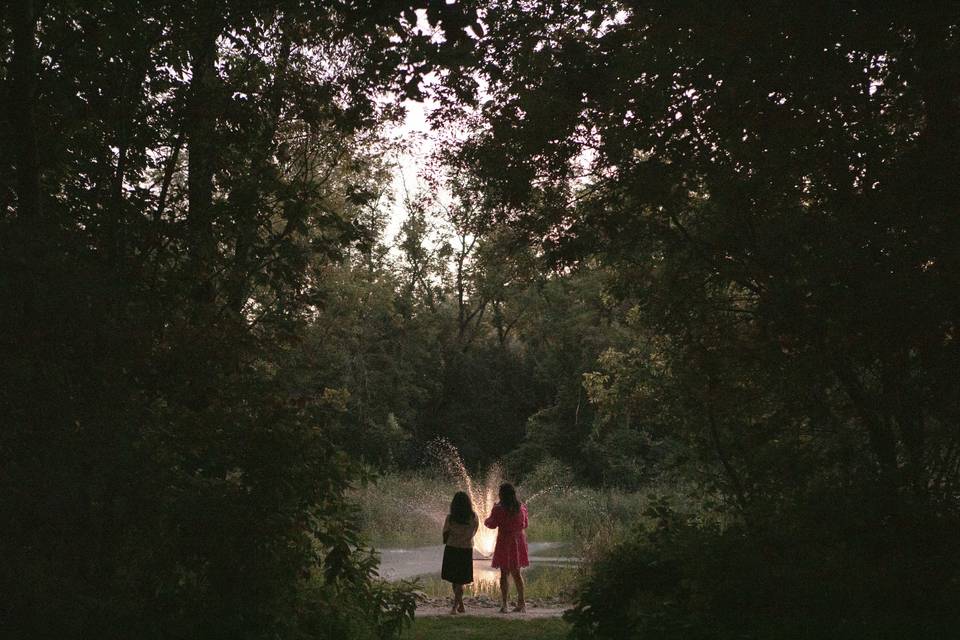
(824, 568)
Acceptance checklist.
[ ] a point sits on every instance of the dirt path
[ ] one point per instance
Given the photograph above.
(486, 608)
(532, 613)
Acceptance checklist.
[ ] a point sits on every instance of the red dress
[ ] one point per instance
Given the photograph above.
(511, 549)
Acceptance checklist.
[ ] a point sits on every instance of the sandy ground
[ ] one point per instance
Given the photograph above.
(486, 607)
(532, 613)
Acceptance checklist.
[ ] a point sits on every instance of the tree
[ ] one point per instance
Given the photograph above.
(772, 186)
(174, 181)
(753, 170)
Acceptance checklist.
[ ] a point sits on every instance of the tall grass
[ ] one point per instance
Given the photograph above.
(404, 510)
(407, 510)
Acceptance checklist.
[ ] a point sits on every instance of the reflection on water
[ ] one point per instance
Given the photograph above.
(397, 564)
(485, 579)
(542, 580)
(549, 573)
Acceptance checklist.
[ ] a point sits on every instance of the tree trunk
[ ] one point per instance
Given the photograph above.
(168, 171)
(23, 91)
(732, 476)
(130, 95)
(882, 440)
(199, 128)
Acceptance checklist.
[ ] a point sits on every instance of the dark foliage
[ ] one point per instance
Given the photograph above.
(172, 179)
(772, 188)
(827, 569)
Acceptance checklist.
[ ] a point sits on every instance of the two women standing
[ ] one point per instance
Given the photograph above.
(509, 518)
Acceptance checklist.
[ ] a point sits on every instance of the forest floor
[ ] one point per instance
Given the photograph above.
(468, 627)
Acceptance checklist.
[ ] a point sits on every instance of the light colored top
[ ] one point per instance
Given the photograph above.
(460, 535)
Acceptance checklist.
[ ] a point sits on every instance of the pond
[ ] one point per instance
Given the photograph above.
(551, 573)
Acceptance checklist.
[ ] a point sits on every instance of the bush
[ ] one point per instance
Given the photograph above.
(548, 475)
(358, 607)
(825, 568)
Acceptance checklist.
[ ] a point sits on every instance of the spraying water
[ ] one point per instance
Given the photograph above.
(482, 494)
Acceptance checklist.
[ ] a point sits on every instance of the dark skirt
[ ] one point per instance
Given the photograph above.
(457, 565)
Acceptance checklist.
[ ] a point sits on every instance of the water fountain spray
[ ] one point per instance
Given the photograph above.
(483, 495)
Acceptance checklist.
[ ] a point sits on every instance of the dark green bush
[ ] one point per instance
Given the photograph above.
(827, 568)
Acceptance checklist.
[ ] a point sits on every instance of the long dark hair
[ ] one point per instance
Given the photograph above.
(508, 498)
(461, 509)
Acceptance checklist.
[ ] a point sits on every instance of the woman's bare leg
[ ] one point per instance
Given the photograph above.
(453, 609)
(504, 589)
(518, 580)
(458, 597)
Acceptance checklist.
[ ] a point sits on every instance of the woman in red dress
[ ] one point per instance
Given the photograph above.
(509, 518)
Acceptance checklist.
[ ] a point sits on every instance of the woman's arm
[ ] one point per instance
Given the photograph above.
(476, 525)
(494, 520)
(526, 519)
(446, 529)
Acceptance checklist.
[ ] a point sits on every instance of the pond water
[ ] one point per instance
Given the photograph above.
(547, 562)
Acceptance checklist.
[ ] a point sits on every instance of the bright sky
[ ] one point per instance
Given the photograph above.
(414, 134)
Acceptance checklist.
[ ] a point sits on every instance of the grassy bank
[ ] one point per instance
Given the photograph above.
(407, 510)
(473, 628)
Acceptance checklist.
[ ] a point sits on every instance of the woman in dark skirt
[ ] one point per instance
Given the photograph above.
(458, 530)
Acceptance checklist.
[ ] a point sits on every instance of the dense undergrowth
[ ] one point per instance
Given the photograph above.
(828, 569)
